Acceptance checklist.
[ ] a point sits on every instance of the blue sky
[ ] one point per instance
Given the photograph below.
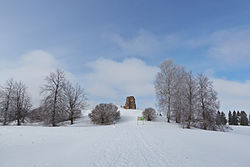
(87, 37)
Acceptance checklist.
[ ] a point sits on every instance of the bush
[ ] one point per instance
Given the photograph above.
(104, 114)
(149, 114)
(36, 115)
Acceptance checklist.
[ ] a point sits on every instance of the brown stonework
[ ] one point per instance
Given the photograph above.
(130, 103)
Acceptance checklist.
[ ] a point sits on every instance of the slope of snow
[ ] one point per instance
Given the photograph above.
(156, 144)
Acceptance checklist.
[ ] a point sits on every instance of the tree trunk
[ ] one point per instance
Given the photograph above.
(54, 108)
(18, 117)
(189, 120)
(6, 111)
(5, 118)
(203, 115)
(168, 115)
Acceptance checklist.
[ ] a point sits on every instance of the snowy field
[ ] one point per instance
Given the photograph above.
(154, 144)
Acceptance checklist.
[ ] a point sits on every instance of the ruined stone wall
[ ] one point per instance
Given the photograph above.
(130, 103)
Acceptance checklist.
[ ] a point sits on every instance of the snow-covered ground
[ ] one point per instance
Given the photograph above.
(154, 144)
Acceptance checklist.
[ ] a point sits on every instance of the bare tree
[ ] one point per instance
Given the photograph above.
(75, 99)
(190, 100)
(164, 86)
(178, 93)
(208, 102)
(6, 94)
(54, 101)
(186, 98)
(21, 102)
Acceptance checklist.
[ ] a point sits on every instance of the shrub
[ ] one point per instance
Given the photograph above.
(36, 115)
(149, 114)
(104, 114)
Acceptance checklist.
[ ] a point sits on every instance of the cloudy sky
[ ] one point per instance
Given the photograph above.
(114, 48)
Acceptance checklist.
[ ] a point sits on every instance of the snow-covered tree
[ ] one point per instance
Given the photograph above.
(21, 102)
(190, 97)
(14, 101)
(75, 99)
(178, 93)
(186, 98)
(164, 86)
(53, 98)
(208, 103)
(6, 99)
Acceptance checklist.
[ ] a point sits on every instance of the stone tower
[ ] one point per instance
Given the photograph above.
(130, 103)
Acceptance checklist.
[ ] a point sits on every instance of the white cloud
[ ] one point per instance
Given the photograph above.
(144, 43)
(31, 68)
(116, 80)
(231, 46)
(108, 79)
(233, 95)
(113, 80)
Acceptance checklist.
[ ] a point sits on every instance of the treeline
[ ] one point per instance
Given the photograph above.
(185, 98)
(238, 118)
(221, 118)
(61, 101)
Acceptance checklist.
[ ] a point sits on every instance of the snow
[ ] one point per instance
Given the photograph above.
(154, 144)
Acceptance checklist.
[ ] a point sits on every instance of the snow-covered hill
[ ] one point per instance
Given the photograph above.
(125, 144)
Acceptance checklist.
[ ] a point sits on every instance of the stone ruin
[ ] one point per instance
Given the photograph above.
(130, 103)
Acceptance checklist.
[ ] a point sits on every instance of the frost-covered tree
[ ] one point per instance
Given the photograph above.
(105, 114)
(21, 102)
(53, 98)
(178, 93)
(208, 103)
(164, 86)
(75, 100)
(14, 101)
(6, 99)
(185, 98)
(149, 114)
(190, 100)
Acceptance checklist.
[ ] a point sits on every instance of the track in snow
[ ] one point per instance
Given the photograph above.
(155, 144)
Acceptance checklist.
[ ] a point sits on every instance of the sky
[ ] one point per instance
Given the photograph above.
(113, 49)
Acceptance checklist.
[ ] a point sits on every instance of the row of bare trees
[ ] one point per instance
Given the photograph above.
(187, 99)
(61, 101)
